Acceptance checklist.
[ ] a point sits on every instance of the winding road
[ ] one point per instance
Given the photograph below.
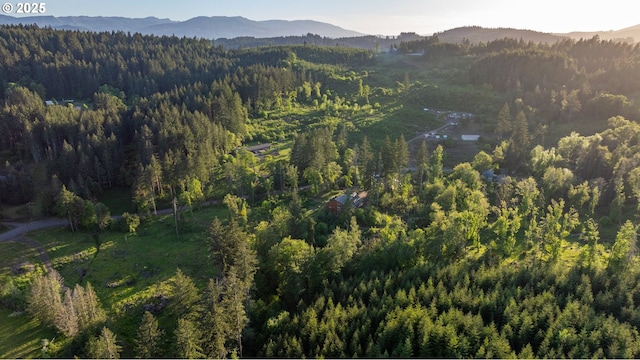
(19, 229)
(16, 234)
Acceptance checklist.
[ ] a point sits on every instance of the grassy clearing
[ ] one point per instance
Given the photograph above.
(126, 272)
(21, 336)
(131, 261)
(20, 262)
(394, 119)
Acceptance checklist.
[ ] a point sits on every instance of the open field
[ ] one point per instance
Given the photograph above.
(21, 336)
(128, 270)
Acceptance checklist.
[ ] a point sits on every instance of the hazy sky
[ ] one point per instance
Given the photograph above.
(387, 17)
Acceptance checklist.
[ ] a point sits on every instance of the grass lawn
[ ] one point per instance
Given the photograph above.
(15, 256)
(20, 336)
(128, 263)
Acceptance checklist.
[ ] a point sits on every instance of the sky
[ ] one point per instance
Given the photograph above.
(383, 17)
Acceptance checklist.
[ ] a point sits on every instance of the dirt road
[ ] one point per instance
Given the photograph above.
(19, 229)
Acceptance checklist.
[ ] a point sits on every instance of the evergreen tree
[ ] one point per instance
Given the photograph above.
(591, 235)
(615, 210)
(148, 341)
(634, 184)
(236, 293)
(366, 163)
(216, 320)
(184, 299)
(104, 346)
(519, 141)
(402, 153)
(389, 156)
(435, 166)
(67, 321)
(422, 162)
(188, 340)
(44, 301)
(504, 125)
(87, 307)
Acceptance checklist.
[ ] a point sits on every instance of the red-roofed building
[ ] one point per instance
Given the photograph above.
(338, 203)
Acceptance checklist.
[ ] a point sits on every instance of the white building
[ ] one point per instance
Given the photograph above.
(470, 137)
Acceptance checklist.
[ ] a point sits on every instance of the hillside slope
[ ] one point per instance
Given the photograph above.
(207, 27)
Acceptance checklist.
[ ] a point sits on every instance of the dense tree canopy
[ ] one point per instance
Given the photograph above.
(525, 248)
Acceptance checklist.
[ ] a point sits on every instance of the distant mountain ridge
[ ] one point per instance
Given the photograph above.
(241, 32)
(87, 23)
(206, 27)
(477, 34)
(631, 33)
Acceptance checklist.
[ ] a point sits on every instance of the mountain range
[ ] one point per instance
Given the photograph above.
(214, 27)
(283, 31)
(628, 34)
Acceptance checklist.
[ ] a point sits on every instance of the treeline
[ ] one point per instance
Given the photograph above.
(67, 64)
(368, 42)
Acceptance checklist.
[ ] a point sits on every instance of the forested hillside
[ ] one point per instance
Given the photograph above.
(310, 201)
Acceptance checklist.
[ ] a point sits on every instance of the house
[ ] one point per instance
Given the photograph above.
(340, 202)
(260, 148)
(337, 203)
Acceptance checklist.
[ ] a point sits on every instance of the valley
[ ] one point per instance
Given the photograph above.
(184, 205)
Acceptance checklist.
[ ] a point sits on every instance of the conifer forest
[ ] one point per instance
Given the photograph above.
(300, 201)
